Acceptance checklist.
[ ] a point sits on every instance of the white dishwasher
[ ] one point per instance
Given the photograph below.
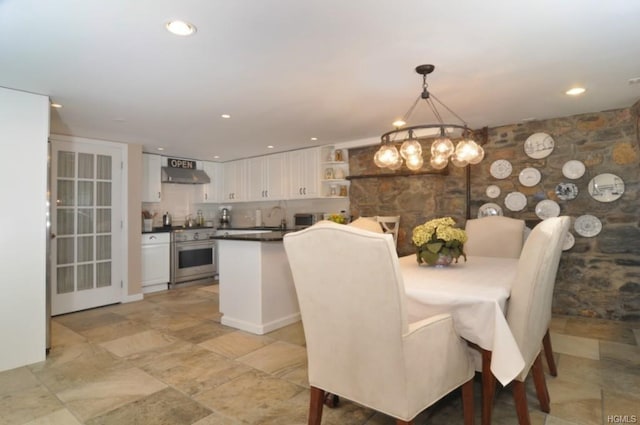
(155, 262)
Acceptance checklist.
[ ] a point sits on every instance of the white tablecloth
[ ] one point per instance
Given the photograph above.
(475, 293)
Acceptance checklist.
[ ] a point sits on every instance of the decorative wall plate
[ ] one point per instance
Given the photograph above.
(515, 201)
(489, 209)
(529, 177)
(573, 169)
(500, 169)
(569, 241)
(606, 187)
(539, 145)
(566, 191)
(493, 191)
(547, 209)
(587, 225)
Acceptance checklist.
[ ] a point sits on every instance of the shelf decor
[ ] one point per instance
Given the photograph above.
(438, 243)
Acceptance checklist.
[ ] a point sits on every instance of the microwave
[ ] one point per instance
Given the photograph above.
(302, 220)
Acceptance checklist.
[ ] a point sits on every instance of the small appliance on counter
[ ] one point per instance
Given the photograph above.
(303, 220)
(166, 219)
(225, 218)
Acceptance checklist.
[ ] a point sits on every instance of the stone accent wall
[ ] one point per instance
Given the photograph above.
(599, 276)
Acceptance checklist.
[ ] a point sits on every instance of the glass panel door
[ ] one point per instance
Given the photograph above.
(86, 191)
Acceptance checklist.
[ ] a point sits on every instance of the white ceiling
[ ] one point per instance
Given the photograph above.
(289, 70)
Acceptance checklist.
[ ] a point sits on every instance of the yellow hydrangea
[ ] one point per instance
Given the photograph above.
(439, 236)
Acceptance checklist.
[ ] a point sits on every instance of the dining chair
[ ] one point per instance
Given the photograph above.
(390, 224)
(529, 312)
(360, 344)
(494, 236)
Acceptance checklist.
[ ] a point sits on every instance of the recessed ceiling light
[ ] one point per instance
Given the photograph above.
(181, 28)
(56, 105)
(398, 123)
(314, 138)
(270, 147)
(575, 91)
(225, 116)
(216, 156)
(160, 149)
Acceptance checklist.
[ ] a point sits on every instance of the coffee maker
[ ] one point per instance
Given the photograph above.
(225, 218)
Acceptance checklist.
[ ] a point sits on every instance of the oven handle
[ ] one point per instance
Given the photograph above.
(194, 244)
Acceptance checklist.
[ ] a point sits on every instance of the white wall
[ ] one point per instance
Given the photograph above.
(24, 128)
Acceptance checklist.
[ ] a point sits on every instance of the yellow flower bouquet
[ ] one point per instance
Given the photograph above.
(438, 242)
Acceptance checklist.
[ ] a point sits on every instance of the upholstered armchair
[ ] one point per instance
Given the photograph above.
(360, 345)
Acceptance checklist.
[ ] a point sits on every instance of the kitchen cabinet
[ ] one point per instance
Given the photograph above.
(266, 177)
(155, 262)
(334, 169)
(212, 192)
(151, 178)
(304, 177)
(234, 181)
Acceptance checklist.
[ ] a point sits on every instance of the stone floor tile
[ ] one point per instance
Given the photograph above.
(113, 331)
(201, 373)
(136, 343)
(61, 336)
(588, 348)
(117, 388)
(76, 365)
(607, 374)
(17, 379)
(166, 407)
(24, 405)
(277, 359)
(293, 334)
(617, 406)
(236, 344)
(202, 331)
(607, 330)
(216, 419)
(573, 401)
(59, 417)
(87, 319)
(623, 352)
(249, 396)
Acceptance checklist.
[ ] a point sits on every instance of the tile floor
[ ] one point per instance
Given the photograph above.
(168, 360)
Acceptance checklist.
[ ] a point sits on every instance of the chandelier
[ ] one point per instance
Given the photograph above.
(443, 150)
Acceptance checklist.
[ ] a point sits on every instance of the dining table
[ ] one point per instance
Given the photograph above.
(475, 292)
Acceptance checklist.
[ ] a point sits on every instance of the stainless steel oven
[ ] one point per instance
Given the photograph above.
(193, 255)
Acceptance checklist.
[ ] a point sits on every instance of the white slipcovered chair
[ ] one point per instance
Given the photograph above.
(360, 345)
(529, 310)
(494, 236)
(390, 224)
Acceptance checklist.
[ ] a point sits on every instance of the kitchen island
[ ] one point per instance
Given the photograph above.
(256, 287)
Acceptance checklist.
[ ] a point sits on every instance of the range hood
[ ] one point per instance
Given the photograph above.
(184, 176)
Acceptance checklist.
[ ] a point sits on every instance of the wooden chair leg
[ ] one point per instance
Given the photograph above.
(548, 352)
(540, 383)
(316, 401)
(467, 402)
(520, 398)
(488, 387)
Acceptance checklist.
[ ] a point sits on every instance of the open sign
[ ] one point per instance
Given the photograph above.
(181, 163)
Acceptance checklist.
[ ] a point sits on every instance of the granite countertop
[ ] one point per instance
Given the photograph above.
(274, 236)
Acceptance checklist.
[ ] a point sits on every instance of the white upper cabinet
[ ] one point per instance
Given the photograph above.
(266, 177)
(304, 177)
(212, 192)
(234, 181)
(151, 178)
